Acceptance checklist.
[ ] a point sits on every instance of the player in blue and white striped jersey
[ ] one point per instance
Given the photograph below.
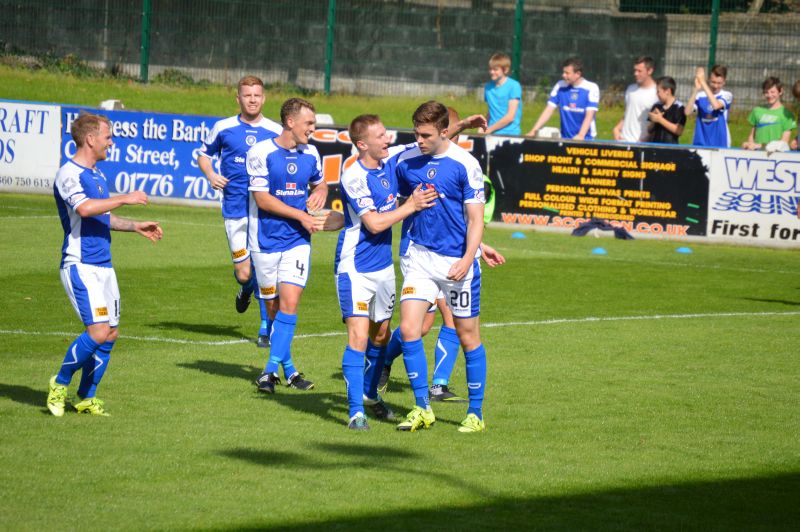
(444, 241)
(577, 101)
(364, 268)
(229, 140)
(281, 171)
(84, 206)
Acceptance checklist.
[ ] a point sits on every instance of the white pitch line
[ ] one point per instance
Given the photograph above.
(645, 261)
(557, 321)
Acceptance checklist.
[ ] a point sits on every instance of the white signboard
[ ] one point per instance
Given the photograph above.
(753, 197)
(29, 143)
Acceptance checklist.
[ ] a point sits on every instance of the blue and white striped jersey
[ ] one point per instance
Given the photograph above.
(86, 240)
(229, 140)
(457, 177)
(285, 174)
(363, 190)
(573, 102)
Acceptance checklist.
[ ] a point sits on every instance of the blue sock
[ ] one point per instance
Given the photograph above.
(81, 349)
(394, 348)
(93, 370)
(265, 321)
(281, 341)
(446, 353)
(282, 334)
(476, 379)
(417, 369)
(376, 355)
(353, 371)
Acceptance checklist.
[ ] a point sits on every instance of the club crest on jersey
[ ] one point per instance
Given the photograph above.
(385, 183)
(573, 96)
(431, 173)
(291, 168)
(250, 140)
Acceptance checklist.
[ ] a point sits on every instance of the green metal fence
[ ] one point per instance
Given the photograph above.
(414, 47)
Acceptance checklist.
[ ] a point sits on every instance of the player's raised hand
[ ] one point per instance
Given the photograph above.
(217, 181)
(475, 121)
(316, 200)
(459, 269)
(326, 220)
(149, 230)
(310, 223)
(491, 256)
(137, 197)
(424, 198)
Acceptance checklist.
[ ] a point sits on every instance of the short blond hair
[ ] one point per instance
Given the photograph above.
(500, 60)
(86, 124)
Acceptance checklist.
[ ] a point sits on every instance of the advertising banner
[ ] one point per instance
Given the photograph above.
(753, 197)
(152, 152)
(644, 189)
(28, 146)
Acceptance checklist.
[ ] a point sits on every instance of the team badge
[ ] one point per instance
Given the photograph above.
(431, 173)
(291, 168)
(573, 96)
(250, 140)
(385, 183)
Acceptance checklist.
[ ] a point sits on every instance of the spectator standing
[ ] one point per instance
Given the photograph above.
(639, 99)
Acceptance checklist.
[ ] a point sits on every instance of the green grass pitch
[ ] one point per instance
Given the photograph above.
(643, 389)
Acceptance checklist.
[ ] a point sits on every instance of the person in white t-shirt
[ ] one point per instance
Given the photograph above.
(639, 99)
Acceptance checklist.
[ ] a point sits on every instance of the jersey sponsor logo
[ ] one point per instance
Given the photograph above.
(291, 186)
(101, 311)
(431, 173)
(267, 290)
(239, 253)
(385, 183)
(238, 159)
(291, 168)
(289, 192)
(250, 140)
(363, 307)
(409, 291)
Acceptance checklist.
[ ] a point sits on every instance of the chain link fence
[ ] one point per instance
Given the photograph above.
(412, 47)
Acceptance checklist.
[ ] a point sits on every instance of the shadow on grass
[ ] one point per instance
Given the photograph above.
(204, 328)
(24, 394)
(764, 503)
(223, 369)
(781, 301)
(398, 461)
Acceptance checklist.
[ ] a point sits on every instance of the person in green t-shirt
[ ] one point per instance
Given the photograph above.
(771, 122)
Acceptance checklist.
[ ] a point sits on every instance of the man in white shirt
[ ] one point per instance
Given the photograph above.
(639, 99)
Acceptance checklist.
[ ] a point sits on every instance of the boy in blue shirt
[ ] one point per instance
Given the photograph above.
(503, 97)
(712, 104)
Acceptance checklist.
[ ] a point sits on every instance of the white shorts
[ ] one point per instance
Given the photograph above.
(403, 271)
(236, 230)
(289, 266)
(93, 292)
(425, 278)
(370, 295)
